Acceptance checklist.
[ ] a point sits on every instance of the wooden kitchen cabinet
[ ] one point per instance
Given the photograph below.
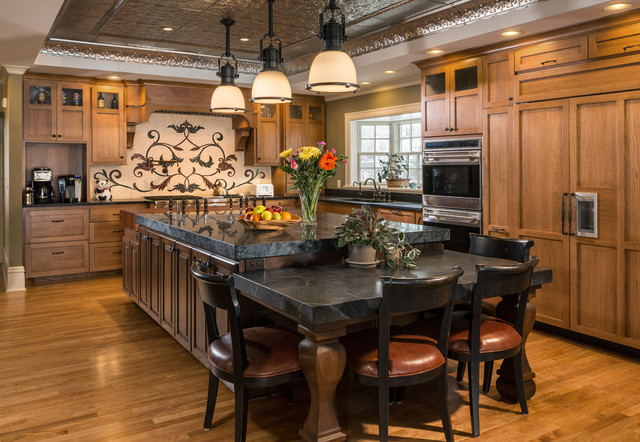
(303, 125)
(615, 41)
(499, 86)
(131, 265)
(108, 134)
(551, 53)
(403, 216)
(264, 145)
(56, 111)
(451, 98)
(150, 284)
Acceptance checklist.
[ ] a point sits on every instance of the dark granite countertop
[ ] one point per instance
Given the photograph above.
(329, 293)
(355, 201)
(222, 234)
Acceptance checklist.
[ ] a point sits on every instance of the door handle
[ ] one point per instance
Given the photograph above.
(562, 212)
(570, 214)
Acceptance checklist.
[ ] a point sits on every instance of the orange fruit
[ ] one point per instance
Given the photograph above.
(255, 217)
(285, 215)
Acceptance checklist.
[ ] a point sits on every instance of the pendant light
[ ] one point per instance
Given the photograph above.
(227, 98)
(332, 70)
(271, 85)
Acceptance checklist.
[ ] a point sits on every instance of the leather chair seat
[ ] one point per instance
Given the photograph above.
(409, 353)
(270, 352)
(495, 334)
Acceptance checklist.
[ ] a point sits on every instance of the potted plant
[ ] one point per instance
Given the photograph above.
(367, 233)
(394, 170)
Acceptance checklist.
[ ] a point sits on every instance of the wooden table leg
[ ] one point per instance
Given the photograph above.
(322, 358)
(505, 384)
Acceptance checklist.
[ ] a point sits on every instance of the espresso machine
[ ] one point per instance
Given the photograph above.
(42, 185)
(70, 187)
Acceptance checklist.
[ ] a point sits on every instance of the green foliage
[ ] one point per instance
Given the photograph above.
(368, 228)
(394, 167)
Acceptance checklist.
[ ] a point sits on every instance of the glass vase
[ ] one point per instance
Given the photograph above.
(309, 203)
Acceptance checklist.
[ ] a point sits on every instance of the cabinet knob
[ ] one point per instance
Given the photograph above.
(59, 136)
(510, 98)
(54, 135)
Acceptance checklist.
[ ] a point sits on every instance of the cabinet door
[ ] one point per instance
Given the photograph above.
(154, 275)
(294, 126)
(596, 139)
(542, 150)
(167, 307)
(435, 101)
(402, 216)
(498, 87)
(109, 144)
(126, 268)
(56, 225)
(134, 265)
(268, 136)
(497, 169)
(464, 101)
(198, 327)
(145, 269)
(314, 131)
(73, 112)
(183, 294)
(39, 100)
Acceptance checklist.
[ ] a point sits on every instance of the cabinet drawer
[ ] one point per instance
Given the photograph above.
(402, 216)
(622, 40)
(110, 213)
(106, 256)
(106, 232)
(551, 53)
(54, 259)
(56, 225)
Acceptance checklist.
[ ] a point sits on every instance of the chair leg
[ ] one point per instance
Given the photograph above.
(517, 367)
(289, 391)
(211, 400)
(241, 413)
(474, 396)
(445, 415)
(461, 368)
(383, 413)
(400, 394)
(488, 371)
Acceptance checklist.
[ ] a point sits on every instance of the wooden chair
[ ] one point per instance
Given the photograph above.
(476, 338)
(494, 247)
(389, 357)
(244, 358)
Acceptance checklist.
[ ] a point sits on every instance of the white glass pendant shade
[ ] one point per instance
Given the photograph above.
(333, 71)
(228, 99)
(271, 87)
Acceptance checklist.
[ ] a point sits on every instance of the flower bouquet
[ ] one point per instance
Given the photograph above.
(309, 167)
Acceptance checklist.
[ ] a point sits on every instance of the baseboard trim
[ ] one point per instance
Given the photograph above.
(14, 278)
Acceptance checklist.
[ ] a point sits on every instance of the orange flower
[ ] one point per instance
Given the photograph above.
(328, 161)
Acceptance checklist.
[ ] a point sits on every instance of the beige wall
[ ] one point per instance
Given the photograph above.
(337, 109)
(12, 173)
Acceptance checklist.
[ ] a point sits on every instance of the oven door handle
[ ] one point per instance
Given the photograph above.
(453, 218)
(471, 159)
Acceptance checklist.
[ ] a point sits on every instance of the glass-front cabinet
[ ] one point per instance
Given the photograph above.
(56, 111)
(451, 99)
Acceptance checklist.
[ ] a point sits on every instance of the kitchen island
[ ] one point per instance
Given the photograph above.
(298, 273)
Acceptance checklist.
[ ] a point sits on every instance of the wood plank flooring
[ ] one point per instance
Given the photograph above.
(80, 362)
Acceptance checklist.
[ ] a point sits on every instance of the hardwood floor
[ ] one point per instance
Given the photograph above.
(79, 361)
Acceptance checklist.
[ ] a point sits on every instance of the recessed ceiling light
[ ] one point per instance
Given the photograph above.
(113, 77)
(389, 71)
(244, 39)
(436, 51)
(168, 28)
(511, 33)
(364, 83)
(617, 6)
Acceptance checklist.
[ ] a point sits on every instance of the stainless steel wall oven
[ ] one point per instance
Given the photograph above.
(452, 188)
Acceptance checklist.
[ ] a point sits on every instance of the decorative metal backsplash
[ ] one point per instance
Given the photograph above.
(172, 155)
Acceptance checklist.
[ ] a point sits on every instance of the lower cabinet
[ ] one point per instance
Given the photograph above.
(159, 269)
(403, 216)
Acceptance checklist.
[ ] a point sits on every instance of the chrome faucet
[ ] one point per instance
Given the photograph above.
(375, 186)
(359, 184)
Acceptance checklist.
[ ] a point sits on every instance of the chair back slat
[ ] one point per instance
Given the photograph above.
(218, 291)
(505, 248)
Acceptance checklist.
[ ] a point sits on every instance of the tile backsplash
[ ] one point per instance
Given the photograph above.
(182, 155)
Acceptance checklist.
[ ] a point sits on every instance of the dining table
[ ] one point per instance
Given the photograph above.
(329, 299)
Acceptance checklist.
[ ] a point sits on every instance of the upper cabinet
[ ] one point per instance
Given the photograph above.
(303, 122)
(451, 98)
(56, 111)
(109, 144)
(551, 53)
(263, 148)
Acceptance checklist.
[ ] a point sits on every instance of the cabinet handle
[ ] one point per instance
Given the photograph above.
(57, 253)
(171, 249)
(548, 61)
(570, 215)
(118, 253)
(628, 47)
(116, 214)
(446, 129)
(57, 220)
(562, 212)
(118, 231)
(498, 229)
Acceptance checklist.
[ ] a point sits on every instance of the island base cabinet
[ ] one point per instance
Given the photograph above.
(131, 266)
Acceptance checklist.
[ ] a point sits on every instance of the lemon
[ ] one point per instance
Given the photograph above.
(266, 215)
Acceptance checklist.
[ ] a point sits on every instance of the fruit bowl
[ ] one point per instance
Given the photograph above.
(274, 224)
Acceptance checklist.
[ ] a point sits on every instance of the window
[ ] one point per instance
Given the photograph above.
(376, 137)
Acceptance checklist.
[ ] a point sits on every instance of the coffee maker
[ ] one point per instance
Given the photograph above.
(70, 187)
(42, 186)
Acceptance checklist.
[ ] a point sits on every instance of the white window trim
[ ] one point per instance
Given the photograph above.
(351, 137)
